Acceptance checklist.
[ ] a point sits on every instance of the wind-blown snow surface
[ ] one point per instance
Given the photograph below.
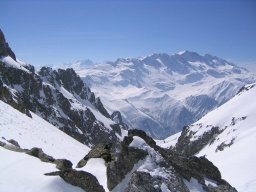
(24, 173)
(161, 93)
(237, 120)
(36, 132)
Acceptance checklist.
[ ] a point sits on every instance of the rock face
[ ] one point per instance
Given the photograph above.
(64, 104)
(187, 147)
(5, 50)
(58, 96)
(117, 117)
(123, 164)
(148, 167)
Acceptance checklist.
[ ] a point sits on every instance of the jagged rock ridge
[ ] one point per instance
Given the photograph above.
(58, 96)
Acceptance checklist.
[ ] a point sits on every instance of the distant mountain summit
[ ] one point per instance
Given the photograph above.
(161, 93)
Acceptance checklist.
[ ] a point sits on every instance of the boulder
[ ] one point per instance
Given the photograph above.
(38, 152)
(81, 179)
(99, 151)
(63, 164)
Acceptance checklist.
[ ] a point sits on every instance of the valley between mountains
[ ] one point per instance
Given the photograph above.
(166, 122)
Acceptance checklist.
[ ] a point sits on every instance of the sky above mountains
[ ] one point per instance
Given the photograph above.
(54, 32)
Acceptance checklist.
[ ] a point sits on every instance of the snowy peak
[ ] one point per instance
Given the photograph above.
(183, 62)
(8, 58)
(161, 93)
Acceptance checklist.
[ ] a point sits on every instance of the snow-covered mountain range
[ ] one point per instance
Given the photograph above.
(161, 93)
(226, 136)
(43, 116)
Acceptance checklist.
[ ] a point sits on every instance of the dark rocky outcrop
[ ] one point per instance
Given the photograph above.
(63, 164)
(5, 50)
(117, 117)
(38, 152)
(223, 145)
(81, 179)
(12, 145)
(149, 140)
(12, 141)
(123, 163)
(99, 151)
(187, 167)
(187, 147)
(144, 182)
(2, 144)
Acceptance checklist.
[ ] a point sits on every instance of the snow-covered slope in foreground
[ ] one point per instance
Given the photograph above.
(237, 162)
(36, 132)
(24, 173)
(227, 137)
(21, 172)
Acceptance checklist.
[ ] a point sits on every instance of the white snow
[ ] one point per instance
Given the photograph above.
(137, 142)
(193, 185)
(210, 182)
(237, 119)
(151, 98)
(24, 173)
(36, 132)
(97, 167)
(12, 63)
(150, 164)
(169, 141)
(164, 188)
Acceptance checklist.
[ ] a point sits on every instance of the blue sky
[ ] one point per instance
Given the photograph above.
(59, 31)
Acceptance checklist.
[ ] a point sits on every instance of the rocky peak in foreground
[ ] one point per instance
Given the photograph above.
(142, 166)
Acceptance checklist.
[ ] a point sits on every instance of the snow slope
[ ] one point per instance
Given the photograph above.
(25, 172)
(36, 132)
(161, 93)
(12, 63)
(232, 151)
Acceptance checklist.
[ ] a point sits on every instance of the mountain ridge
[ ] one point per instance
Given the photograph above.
(141, 87)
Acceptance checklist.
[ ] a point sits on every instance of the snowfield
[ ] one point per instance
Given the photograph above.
(24, 173)
(36, 132)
